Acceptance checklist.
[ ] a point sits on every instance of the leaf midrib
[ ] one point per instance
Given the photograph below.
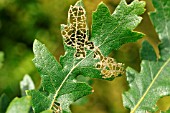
(153, 81)
(66, 79)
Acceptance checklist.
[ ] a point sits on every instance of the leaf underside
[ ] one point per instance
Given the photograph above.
(152, 82)
(83, 55)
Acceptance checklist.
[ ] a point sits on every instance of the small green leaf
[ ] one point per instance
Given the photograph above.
(4, 101)
(1, 58)
(26, 84)
(152, 82)
(20, 105)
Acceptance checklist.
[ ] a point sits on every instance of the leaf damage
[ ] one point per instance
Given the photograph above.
(83, 56)
(75, 34)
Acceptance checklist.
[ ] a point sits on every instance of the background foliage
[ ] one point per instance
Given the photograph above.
(21, 21)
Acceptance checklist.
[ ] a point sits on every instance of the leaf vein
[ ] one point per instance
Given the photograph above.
(141, 99)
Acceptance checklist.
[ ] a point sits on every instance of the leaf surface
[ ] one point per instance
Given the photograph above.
(152, 82)
(19, 105)
(54, 84)
(112, 30)
(59, 86)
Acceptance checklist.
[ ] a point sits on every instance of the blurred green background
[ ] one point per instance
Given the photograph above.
(22, 21)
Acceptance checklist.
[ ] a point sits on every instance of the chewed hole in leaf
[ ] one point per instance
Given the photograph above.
(108, 66)
(75, 33)
(56, 107)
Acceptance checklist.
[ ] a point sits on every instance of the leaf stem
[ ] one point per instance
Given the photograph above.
(141, 99)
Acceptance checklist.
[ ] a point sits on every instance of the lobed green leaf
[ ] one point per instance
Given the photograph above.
(152, 82)
(59, 85)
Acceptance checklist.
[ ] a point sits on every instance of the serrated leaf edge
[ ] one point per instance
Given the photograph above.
(141, 99)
